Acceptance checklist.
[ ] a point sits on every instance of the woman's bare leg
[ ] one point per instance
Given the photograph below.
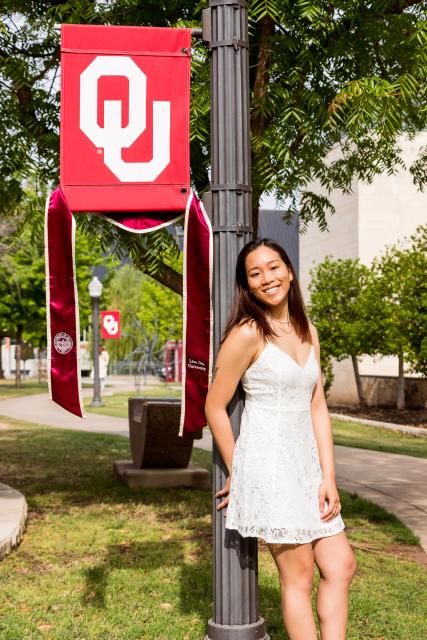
(295, 563)
(337, 565)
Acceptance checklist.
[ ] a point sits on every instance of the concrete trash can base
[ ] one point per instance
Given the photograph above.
(153, 429)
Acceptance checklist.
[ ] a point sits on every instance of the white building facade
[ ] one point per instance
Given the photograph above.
(373, 216)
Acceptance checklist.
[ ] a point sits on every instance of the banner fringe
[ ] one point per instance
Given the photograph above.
(47, 274)
(184, 317)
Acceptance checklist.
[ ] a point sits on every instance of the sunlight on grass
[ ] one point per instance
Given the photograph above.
(101, 561)
(353, 434)
(8, 389)
(117, 404)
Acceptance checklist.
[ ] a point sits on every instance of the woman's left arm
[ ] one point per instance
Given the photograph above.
(323, 434)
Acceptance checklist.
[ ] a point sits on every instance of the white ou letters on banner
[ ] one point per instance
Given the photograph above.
(110, 324)
(112, 137)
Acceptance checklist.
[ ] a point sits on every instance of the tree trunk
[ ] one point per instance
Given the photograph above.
(39, 365)
(18, 350)
(400, 393)
(256, 196)
(1, 360)
(360, 392)
(259, 121)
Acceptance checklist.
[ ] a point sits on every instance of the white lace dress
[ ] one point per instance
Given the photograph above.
(276, 471)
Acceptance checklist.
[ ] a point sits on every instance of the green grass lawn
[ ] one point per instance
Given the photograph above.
(101, 561)
(354, 434)
(29, 387)
(7, 388)
(117, 404)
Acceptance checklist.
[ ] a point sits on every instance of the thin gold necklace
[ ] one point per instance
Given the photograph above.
(283, 322)
(279, 321)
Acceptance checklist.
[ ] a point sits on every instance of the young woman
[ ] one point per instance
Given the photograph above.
(281, 485)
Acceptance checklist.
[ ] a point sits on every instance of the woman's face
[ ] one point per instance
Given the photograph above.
(268, 276)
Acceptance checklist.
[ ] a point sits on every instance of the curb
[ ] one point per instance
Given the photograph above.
(14, 510)
(414, 431)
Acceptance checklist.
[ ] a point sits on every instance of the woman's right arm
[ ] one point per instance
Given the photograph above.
(235, 356)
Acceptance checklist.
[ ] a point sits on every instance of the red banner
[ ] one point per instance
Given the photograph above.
(62, 311)
(125, 156)
(110, 325)
(125, 95)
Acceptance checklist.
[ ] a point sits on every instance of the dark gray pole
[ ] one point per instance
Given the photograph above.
(96, 402)
(236, 611)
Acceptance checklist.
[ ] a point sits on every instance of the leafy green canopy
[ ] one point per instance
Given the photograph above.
(376, 310)
(150, 313)
(337, 308)
(22, 275)
(349, 74)
(398, 294)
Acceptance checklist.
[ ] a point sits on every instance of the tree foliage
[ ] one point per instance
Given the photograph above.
(376, 310)
(349, 75)
(22, 275)
(399, 292)
(337, 308)
(149, 311)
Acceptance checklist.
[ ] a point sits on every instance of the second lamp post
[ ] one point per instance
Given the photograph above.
(95, 291)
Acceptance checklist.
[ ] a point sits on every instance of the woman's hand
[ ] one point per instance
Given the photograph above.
(224, 491)
(328, 491)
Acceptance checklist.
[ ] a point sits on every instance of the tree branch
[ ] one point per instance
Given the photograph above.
(258, 120)
(261, 76)
(165, 276)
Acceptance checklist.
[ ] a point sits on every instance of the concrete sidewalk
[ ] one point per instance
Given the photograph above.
(41, 410)
(396, 482)
(13, 516)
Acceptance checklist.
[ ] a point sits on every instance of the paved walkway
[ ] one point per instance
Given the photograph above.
(396, 482)
(41, 410)
(13, 515)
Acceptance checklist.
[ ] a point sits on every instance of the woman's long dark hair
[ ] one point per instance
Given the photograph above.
(246, 307)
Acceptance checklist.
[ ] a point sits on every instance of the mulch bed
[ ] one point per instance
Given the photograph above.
(411, 417)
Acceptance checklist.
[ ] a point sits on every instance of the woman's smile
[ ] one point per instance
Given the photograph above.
(268, 276)
(271, 290)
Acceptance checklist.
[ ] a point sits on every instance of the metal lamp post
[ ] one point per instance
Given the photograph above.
(236, 611)
(95, 291)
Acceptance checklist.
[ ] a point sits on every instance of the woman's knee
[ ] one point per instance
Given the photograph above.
(335, 559)
(295, 564)
(342, 570)
(299, 579)
(351, 567)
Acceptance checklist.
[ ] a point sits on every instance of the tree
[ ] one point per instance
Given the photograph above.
(416, 299)
(148, 310)
(337, 308)
(347, 74)
(23, 280)
(7, 228)
(344, 74)
(23, 284)
(380, 310)
(398, 298)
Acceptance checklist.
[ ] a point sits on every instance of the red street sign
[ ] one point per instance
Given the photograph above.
(125, 95)
(110, 324)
